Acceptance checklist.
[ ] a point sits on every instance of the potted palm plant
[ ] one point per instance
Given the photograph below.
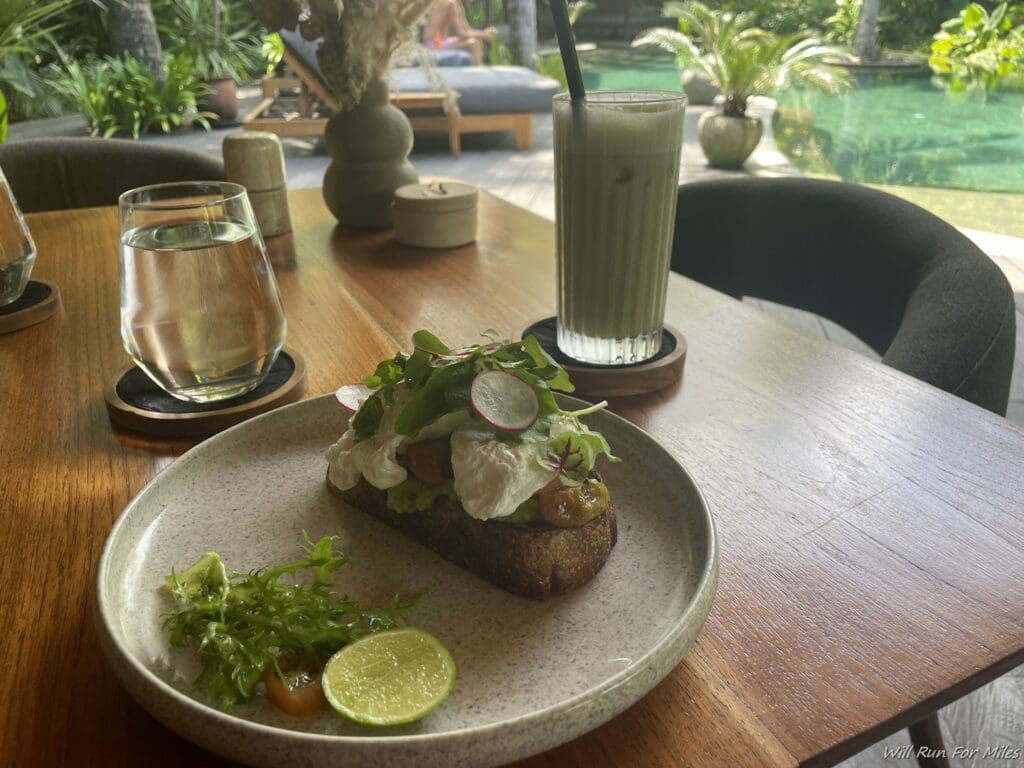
(742, 61)
(223, 41)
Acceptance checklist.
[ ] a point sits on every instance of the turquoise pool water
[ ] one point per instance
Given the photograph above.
(891, 129)
(624, 68)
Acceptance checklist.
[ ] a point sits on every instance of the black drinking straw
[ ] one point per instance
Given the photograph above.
(567, 45)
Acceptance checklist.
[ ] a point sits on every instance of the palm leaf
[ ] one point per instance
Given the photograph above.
(669, 40)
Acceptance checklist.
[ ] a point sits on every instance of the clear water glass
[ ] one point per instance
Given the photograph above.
(200, 309)
(616, 179)
(17, 251)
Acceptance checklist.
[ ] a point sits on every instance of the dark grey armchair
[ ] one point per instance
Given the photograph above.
(905, 282)
(50, 174)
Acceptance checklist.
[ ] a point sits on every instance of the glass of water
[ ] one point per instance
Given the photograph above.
(200, 310)
(17, 251)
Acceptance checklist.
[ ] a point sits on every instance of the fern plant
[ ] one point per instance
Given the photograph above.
(742, 60)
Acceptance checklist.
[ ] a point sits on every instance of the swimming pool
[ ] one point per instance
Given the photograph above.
(891, 129)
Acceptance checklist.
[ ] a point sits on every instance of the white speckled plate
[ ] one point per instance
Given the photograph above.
(530, 675)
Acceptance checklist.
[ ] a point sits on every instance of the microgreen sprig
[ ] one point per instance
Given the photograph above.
(242, 623)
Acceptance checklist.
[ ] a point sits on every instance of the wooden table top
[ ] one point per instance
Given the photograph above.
(871, 527)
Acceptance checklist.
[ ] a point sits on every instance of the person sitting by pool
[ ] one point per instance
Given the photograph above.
(449, 16)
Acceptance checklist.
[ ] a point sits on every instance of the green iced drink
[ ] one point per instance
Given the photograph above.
(616, 178)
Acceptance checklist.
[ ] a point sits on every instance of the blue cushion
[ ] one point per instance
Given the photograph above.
(486, 90)
(453, 57)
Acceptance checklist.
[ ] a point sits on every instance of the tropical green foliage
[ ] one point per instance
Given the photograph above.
(25, 28)
(476, 13)
(221, 38)
(24, 24)
(841, 26)
(978, 48)
(35, 80)
(272, 51)
(903, 24)
(741, 59)
(909, 24)
(782, 17)
(120, 96)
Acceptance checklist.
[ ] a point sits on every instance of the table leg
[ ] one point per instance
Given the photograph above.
(926, 736)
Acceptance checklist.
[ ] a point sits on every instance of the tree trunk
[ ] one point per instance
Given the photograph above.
(521, 16)
(865, 44)
(133, 31)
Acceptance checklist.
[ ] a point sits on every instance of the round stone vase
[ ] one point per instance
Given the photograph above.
(727, 141)
(369, 147)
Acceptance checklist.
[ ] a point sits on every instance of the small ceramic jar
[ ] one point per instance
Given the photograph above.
(254, 159)
(438, 215)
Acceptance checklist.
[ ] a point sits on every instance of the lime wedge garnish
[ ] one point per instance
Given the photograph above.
(389, 678)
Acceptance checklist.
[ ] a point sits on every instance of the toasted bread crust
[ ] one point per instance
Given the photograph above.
(534, 561)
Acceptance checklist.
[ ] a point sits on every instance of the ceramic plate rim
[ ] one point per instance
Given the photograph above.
(111, 642)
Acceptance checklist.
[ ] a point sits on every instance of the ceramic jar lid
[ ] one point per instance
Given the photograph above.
(439, 215)
(254, 159)
(438, 197)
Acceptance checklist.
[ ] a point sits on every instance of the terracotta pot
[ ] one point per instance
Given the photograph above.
(698, 88)
(369, 147)
(223, 100)
(727, 141)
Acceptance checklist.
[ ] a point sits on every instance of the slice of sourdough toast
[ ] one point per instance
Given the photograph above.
(534, 561)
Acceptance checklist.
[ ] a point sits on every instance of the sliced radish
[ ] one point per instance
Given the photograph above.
(352, 396)
(504, 401)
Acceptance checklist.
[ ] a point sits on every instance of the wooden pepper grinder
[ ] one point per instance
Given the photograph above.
(254, 159)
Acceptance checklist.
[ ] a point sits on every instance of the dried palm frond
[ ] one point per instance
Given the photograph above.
(358, 37)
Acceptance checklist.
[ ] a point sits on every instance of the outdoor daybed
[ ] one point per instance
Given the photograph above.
(486, 99)
(489, 99)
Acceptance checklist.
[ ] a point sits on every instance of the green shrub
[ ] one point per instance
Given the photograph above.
(120, 96)
(904, 24)
(221, 37)
(783, 17)
(30, 88)
(980, 49)
(910, 24)
(841, 26)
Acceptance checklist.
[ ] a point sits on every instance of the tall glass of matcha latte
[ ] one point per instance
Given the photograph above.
(616, 177)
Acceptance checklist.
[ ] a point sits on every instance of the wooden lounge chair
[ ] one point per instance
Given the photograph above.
(489, 99)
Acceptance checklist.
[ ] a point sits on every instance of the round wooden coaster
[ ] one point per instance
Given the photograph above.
(660, 371)
(39, 301)
(135, 402)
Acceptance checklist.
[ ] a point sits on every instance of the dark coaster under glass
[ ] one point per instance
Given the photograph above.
(594, 380)
(135, 402)
(38, 301)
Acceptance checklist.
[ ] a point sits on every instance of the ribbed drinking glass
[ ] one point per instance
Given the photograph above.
(616, 178)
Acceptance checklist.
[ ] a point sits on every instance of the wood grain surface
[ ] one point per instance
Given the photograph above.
(871, 527)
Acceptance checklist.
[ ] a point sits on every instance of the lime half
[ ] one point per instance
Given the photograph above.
(389, 678)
